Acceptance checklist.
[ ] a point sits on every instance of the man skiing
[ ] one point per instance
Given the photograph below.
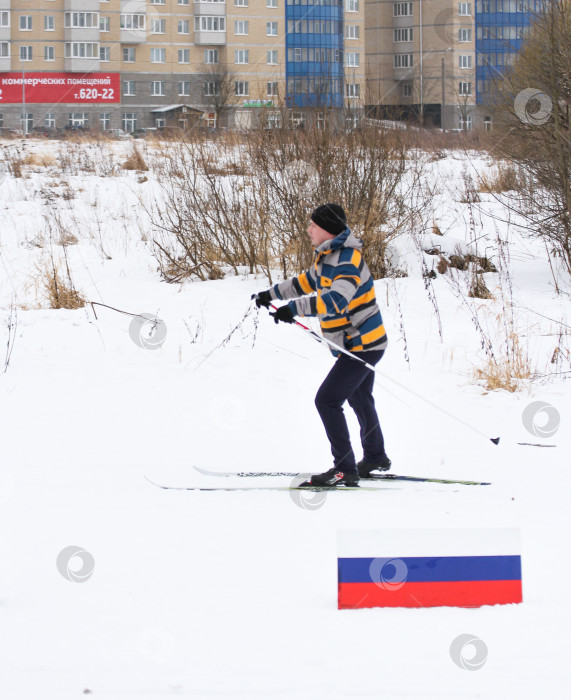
(339, 289)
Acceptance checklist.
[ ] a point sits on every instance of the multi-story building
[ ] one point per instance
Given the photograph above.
(435, 60)
(142, 63)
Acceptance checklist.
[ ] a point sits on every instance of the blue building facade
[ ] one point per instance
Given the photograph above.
(501, 26)
(314, 53)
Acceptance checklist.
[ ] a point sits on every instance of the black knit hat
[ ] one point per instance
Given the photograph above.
(331, 218)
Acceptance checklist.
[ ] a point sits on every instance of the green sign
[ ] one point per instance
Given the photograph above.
(258, 103)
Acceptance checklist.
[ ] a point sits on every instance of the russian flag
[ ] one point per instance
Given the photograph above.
(426, 568)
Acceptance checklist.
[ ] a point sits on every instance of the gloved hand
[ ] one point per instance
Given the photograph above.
(262, 299)
(283, 314)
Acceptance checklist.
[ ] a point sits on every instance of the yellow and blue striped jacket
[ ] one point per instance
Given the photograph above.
(345, 301)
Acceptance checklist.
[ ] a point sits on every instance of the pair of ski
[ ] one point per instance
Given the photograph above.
(304, 485)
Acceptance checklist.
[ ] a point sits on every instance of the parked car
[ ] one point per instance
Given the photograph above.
(142, 133)
(48, 132)
(117, 134)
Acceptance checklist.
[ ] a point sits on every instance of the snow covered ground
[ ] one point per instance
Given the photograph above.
(234, 594)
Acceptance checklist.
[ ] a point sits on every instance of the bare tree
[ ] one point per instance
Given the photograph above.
(531, 110)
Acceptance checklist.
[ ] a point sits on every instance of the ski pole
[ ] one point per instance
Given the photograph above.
(321, 339)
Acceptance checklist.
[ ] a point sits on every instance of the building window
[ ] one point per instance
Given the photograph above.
(184, 88)
(26, 53)
(464, 61)
(211, 88)
(241, 87)
(464, 88)
(133, 21)
(240, 3)
(104, 24)
(104, 53)
(406, 90)
(4, 49)
(183, 2)
(211, 56)
(297, 54)
(272, 58)
(352, 5)
(4, 19)
(184, 55)
(352, 31)
(158, 26)
(49, 23)
(464, 35)
(209, 24)
(81, 20)
(352, 60)
(241, 27)
(158, 88)
(464, 9)
(241, 56)
(487, 123)
(25, 23)
(157, 2)
(129, 121)
(128, 88)
(129, 54)
(105, 120)
(271, 28)
(81, 49)
(465, 123)
(78, 119)
(26, 121)
(402, 9)
(50, 120)
(1, 120)
(271, 3)
(49, 53)
(402, 34)
(352, 91)
(158, 55)
(272, 89)
(183, 26)
(160, 122)
(402, 60)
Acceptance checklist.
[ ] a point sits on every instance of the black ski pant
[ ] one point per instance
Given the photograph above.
(349, 380)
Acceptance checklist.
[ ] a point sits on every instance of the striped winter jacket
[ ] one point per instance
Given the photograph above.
(345, 301)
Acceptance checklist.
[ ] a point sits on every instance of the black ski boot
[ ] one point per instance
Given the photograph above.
(334, 477)
(365, 468)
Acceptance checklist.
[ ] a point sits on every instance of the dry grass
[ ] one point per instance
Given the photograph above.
(61, 294)
(135, 161)
(478, 289)
(507, 373)
(503, 178)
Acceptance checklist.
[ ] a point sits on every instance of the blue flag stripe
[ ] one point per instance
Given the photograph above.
(426, 569)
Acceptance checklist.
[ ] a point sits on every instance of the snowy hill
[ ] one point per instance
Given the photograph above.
(234, 594)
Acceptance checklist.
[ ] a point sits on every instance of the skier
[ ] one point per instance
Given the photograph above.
(350, 317)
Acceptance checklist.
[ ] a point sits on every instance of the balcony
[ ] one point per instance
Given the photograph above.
(214, 9)
(133, 36)
(210, 38)
(81, 65)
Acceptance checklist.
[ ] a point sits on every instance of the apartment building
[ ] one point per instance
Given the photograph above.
(135, 63)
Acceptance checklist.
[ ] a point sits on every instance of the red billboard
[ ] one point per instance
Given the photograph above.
(53, 88)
